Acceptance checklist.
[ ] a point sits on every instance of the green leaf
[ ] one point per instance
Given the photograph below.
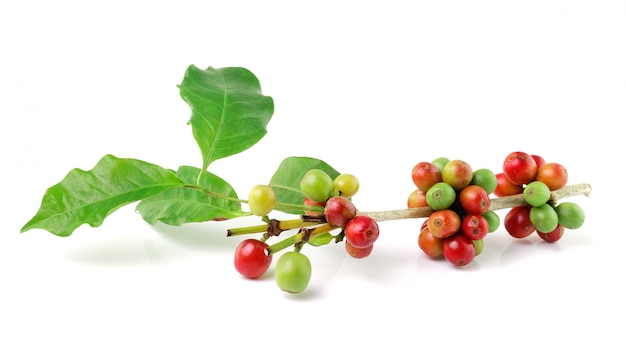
(286, 180)
(88, 197)
(229, 114)
(190, 203)
(322, 239)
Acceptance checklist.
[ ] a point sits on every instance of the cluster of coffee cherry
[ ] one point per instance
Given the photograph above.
(327, 207)
(459, 198)
(334, 195)
(535, 179)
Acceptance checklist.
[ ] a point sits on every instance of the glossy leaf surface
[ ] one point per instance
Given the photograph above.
(322, 239)
(88, 197)
(286, 180)
(229, 114)
(189, 203)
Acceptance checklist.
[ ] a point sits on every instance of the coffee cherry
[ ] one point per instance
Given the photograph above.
(570, 214)
(457, 173)
(339, 211)
(517, 222)
(536, 193)
(317, 185)
(429, 244)
(474, 226)
(250, 258)
(552, 174)
(493, 220)
(486, 179)
(440, 196)
(506, 187)
(440, 162)
(544, 218)
(474, 199)
(539, 160)
(444, 223)
(346, 185)
(520, 168)
(358, 253)
(479, 245)
(361, 231)
(458, 249)
(417, 198)
(553, 236)
(261, 200)
(293, 272)
(425, 175)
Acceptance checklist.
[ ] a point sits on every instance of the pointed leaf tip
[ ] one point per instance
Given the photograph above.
(88, 197)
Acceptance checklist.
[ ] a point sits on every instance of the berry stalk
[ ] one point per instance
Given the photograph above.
(273, 227)
(496, 204)
(303, 236)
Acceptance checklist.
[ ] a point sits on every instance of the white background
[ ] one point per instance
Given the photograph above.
(371, 87)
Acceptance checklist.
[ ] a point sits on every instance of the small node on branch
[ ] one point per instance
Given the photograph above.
(319, 219)
(273, 228)
(306, 233)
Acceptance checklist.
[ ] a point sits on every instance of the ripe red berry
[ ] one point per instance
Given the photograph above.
(458, 249)
(553, 236)
(475, 226)
(339, 211)
(417, 198)
(251, 261)
(506, 187)
(457, 173)
(425, 175)
(429, 244)
(520, 168)
(358, 253)
(444, 223)
(517, 222)
(474, 199)
(552, 174)
(361, 231)
(538, 159)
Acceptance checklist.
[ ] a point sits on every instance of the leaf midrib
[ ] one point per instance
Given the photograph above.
(218, 132)
(86, 206)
